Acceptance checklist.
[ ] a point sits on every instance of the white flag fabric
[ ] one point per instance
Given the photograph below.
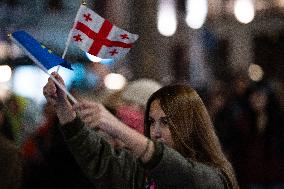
(97, 36)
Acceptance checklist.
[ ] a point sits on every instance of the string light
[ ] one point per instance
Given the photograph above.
(167, 21)
(196, 11)
(244, 11)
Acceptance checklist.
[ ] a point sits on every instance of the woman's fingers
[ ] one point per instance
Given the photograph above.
(58, 77)
(50, 100)
(85, 105)
(88, 112)
(50, 94)
(91, 113)
(49, 90)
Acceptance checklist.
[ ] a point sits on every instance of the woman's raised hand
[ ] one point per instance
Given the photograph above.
(52, 93)
(58, 99)
(94, 114)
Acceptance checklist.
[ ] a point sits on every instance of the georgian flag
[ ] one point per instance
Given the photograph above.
(97, 36)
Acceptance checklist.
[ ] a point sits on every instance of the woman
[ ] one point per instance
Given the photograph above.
(183, 152)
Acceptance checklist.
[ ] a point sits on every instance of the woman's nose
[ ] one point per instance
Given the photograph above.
(157, 132)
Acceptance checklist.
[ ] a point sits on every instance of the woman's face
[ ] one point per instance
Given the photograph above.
(159, 127)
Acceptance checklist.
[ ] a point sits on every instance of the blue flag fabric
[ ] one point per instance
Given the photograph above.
(37, 52)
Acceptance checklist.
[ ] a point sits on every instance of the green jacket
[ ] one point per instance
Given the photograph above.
(120, 169)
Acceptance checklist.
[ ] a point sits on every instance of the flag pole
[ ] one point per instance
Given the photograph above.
(65, 50)
(69, 36)
(45, 70)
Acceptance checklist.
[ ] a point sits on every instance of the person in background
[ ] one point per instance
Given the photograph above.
(5, 125)
(48, 162)
(263, 157)
(180, 149)
(22, 114)
(10, 165)
(217, 99)
(129, 104)
(14, 110)
(232, 122)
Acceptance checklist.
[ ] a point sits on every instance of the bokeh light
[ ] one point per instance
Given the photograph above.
(167, 21)
(114, 81)
(244, 11)
(255, 72)
(196, 13)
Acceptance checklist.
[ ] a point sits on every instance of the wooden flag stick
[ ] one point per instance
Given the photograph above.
(69, 37)
(65, 50)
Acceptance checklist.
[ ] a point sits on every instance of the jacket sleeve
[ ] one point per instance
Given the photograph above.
(104, 166)
(174, 171)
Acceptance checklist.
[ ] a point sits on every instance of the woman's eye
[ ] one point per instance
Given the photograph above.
(164, 121)
(151, 121)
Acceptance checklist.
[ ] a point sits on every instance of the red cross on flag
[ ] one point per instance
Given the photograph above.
(97, 36)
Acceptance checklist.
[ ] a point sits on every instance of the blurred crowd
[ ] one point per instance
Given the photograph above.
(248, 118)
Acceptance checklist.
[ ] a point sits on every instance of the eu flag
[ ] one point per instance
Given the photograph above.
(37, 52)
